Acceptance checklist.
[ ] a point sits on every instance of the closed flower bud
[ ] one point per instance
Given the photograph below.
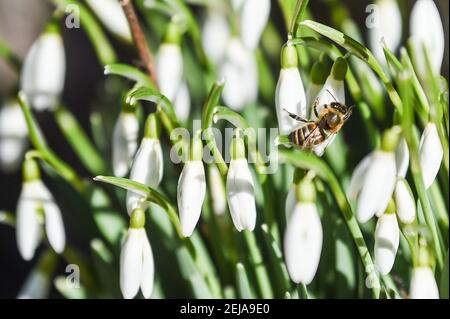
(404, 201)
(388, 27)
(13, 136)
(241, 76)
(169, 67)
(215, 34)
(423, 284)
(253, 19)
(136, 259)
(124, 142)
(111, 14)
(431, 153)
(387, 238)
(43, 71)
(182, 102)
(290, 94)
(427, 34)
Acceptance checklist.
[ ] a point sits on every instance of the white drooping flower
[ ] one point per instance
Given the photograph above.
(36, 207)
(169, 67)
(319, 74)
(218, 195)
(240, 72)
(387, 27)
(111, 14)
(423, 284)
(303, 236)
(215, 34)
(137, 269)
(240, 188)
(38, 282)
(124, 142)
(387, 239)
(43, 71)
(402, 158)
(373, 180)
(182, 102)
(254, 15)
(430, 154)
(290, 93)
(13, 136)
(427, 33)
(404, 201)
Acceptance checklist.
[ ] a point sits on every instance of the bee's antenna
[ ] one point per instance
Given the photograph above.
(332, 96)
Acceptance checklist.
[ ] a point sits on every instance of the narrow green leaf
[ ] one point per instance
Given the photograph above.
(443, 286)
(243, 283)
(68, 289)
(129, 72)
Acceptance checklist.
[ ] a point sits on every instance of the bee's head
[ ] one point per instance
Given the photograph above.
(333, 119)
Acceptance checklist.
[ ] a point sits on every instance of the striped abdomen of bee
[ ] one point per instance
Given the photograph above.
(308, 136)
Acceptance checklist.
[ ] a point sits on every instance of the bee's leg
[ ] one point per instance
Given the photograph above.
(296, 117)
(315, 105)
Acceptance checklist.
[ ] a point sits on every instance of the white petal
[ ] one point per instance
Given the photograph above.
(291, 201)
(402, 158)
(404, 202)
(426, 30)
(289, 96)
(378, 186)
(219, 200)
(241, 195)
(169, 67)
(28, 229)
(387, 237)
(215, 35)
(358, 177)
(423, 284)
(131, 259)
(148, 268)
(124, 142)
(331, 91)
(303, 243)
(311, 93)
(388, 28)
(111, 14)
(182, 103)
(54, 226)
(191, 194)
(43, 71)
(36, 286)
(253, 20)
(431, 153)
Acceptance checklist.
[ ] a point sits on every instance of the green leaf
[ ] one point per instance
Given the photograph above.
(68, 290)
(243, 284)
(443, 286)
(7, 218)
(129, 72)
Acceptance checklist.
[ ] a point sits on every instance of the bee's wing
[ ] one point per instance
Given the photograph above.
(320, 148)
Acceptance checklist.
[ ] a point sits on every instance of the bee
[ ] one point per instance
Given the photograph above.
(317, 135)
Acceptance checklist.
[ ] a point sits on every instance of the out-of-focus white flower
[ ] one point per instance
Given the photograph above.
(43, 71)
(169, 67)
(241, 76)
(137, 267)
(215, 34)
(236, 4)
(430, 153)
(388, 26)
(36, 207)
(124, 142)
(112, 16)
(253, 19)
(404, 201)
(290, 94)
(13, 136)
(218, 197)
(303, 237)
(387, 238)
(427, 33)
(240, 188)
(402, 158)
(182, 102)
(423, 284)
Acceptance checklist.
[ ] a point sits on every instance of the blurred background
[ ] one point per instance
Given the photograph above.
(21, 22)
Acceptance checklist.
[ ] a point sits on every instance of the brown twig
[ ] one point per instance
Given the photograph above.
(145, 54)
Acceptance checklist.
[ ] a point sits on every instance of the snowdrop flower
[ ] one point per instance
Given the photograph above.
(36, 207)
(13, 136)
(423, 284)
(111, 14)
(427, 33)
(218, 198)
(404, 201)
(182, 102)
(388, 26)
(192, 188)
(43, 71)
(241, 76)
(137, 267)
(430, 154)
(37, 284)
(319, 74)
(148, 164)
(254, 15)
(215, 34)
(402, 158)
(240, 188)
(290, 94)
(373, 181)
(387, 239)
(124, 142)
(303, 236)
